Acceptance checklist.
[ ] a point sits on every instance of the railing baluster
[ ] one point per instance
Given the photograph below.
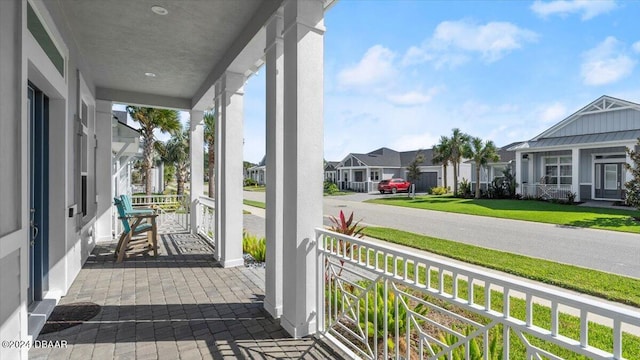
(584, 328)
(554, 318)
(617, 339)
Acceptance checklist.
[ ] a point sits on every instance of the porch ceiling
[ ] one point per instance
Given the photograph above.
(187, 49)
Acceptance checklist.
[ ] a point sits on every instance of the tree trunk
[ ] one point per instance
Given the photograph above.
(444, 176)
(477, 182)
(455, 178)
(212, 157)
(180, 182)
(147, 164)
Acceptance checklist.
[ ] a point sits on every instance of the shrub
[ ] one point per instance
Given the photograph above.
(330, 187)
(254, 246)
(438, 190)
(464, 189)
(571, 198)
(250, 182)
(346, 227)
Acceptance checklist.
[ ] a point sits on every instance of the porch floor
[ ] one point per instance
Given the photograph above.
(181, 305)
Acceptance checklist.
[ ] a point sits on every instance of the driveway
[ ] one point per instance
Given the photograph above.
(608, 251)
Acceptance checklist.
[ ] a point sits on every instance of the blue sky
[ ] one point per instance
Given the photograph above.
(402, 73)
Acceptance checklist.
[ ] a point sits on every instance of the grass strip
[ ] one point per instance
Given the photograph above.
(258, 204)
(613, 287)
(527, 210)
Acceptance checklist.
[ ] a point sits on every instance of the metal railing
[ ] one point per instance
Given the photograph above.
(206, 218)
(547, 191)
(173, 210)
(379, 302)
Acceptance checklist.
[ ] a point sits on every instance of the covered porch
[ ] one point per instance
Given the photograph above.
(181, 305)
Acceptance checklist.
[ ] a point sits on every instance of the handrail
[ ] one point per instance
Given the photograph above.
(339, 251)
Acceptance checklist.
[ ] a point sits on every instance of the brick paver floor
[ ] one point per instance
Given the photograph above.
(181, 305)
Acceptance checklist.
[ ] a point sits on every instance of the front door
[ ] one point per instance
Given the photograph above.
(609, 181)
(37, 112)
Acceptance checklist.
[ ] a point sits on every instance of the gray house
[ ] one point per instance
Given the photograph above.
(330, 171)
(363, 172)
(583, 154)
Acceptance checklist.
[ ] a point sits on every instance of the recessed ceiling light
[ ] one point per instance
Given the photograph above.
(159, 10)
(150, 74)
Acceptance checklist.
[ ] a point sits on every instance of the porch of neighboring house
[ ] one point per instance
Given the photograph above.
(180, 305)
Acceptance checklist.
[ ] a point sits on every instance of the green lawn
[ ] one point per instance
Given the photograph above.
(609, 286)
(258, 204)
(528, 210)
(258, 188)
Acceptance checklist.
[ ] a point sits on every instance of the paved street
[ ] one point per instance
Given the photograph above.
(609, 251)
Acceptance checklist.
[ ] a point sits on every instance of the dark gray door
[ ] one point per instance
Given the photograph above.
(609, 180)
(426, 181)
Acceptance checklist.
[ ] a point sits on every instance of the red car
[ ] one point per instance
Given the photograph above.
(393, 186)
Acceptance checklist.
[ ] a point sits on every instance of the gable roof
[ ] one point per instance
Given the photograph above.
(331, 165)
(383, 157)
(602, 104)
(407, 157)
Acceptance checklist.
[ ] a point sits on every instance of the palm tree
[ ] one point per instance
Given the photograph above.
(151, 119)
(442, 155)
(481, 153)
(177, 153)
(210, 138)
(457, 143)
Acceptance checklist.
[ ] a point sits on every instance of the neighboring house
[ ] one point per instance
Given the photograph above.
(330, 171)
(363, 172)
(258, 173)
(583, 154)
(493, 170)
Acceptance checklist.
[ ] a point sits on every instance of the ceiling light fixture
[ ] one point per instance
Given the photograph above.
(150, 74)
(159, 10)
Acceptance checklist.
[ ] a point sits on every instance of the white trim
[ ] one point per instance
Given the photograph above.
(583, 146)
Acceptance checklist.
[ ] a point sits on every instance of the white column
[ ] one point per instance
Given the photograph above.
(104, 167)
(196, 153)
(367, 180)
(575, 172)
(520, 189)
(274, 166)
(217, 170)
(228, 200)
(628, 175)
(303, 157)
(532, 172)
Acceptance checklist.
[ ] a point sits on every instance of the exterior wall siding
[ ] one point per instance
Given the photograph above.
(618, 120)
(585, 192)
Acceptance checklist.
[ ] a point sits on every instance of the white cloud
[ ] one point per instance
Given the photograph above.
(636, 46)
(587, 8)
(409, 142)
(606, 63)
(411, 98)
(552, 113)
(376, 66)
(453, 42)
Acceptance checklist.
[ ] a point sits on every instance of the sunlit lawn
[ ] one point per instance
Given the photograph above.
(528, 210)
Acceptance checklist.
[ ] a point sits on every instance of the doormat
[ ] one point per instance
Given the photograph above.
(69, 315)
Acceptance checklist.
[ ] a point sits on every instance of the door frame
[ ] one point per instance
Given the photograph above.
(38, 193)
(620, 170)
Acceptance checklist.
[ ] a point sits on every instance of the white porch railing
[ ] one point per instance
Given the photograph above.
(173, 209)
(206, 218)
(379, 302)
(546, 191)
(361, 186)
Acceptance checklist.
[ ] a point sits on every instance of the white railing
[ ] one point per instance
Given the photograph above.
(379, 302)
(546, 191)
(362, 186)
(206, 218)
(171, 209)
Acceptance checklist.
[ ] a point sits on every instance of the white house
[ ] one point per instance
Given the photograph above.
(583, 154)
(363, 172)
(493, 170)
(62, 66)
(258, 173)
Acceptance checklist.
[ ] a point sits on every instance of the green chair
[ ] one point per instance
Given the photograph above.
(128, 207)
(133, 225)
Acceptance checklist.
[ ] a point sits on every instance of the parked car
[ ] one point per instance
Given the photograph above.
(393, 185)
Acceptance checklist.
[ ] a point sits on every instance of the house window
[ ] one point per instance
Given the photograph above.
(375, 175)
(359, 176)
(558, 170)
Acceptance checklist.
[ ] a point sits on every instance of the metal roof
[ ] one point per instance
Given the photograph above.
(584, 139)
